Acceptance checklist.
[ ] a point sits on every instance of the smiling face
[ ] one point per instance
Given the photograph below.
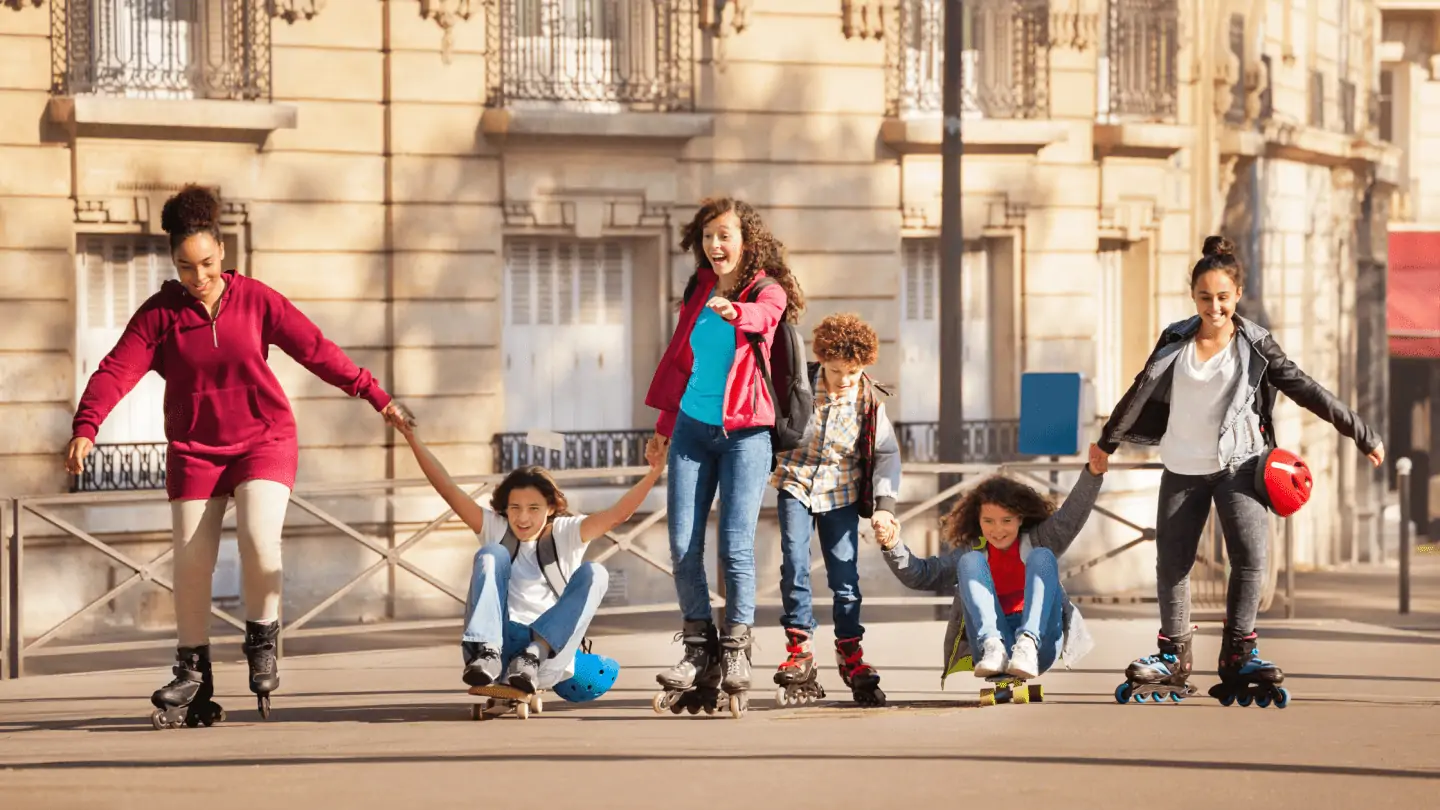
(998, 525)
(528, 513)
(1215, 296)
(841, 376)
(723, 243)
(198, 261)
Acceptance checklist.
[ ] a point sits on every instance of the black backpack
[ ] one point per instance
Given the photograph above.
(788, 373)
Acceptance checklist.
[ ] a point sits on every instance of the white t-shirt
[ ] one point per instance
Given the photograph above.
(1200, 393)
(530, 594)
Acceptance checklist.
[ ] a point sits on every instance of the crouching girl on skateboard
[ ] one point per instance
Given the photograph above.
(532, 594)
(1010, 616)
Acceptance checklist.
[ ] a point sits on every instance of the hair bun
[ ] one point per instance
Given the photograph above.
(1218, 246)
(192, 210)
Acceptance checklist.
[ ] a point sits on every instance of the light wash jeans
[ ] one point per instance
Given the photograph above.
(1043, 618)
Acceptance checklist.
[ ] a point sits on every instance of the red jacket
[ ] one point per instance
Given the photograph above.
(747, 403)
(221, 398)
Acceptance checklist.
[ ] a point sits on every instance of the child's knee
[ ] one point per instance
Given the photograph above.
(592, 576)
(972, 565)
(492, 558)
(1040, 555)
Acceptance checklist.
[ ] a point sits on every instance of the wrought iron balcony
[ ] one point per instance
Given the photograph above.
(591, 55)
(583, 450)
(989, 441)
(122, 467)
(1006, 64)
(1141, 76)
(214, 49)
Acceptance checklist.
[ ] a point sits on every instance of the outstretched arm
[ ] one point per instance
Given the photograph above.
(919, 573)
(299, 337)
(596, 525)
(1312, 396)
(1059, 530)
(469, 511)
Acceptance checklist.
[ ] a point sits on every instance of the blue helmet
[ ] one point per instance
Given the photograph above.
(594, 675)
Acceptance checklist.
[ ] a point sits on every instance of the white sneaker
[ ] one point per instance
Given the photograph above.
(992, 657)
(1024, 658)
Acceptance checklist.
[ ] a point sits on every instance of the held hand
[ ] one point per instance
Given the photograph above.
(76, 453)
(1377, 456)
(723, 307)
(656, 451)
(1099, 460)
(399, 417)
(886, 528)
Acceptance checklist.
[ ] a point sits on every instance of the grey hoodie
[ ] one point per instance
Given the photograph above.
(940, 574)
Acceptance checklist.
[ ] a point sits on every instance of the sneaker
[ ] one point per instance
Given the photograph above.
(992, 657)
(1024, 658)
(482, 664)
(524, 670)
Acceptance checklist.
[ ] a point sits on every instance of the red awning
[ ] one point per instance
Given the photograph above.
(1413, 294)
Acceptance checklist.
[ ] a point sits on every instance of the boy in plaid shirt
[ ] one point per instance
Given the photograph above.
(847, 468)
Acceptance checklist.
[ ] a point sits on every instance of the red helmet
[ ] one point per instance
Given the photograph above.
(1283, 481)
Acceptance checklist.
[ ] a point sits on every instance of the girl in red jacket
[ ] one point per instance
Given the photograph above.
(715, 418)
(230, 432)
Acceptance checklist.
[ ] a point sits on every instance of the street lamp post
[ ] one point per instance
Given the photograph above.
(952, 248)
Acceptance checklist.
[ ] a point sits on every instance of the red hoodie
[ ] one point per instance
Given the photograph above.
(747, 403)
(226, 415)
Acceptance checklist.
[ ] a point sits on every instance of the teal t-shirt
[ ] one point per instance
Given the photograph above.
(713, 343)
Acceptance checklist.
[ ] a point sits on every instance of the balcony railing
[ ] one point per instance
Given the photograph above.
(989, 441)
(1267, 96)
(122, 467)
(591, 55)
(1141, 74)
(1347, 107)
(179, 49)
(1317, 100)
(1236, 114)
(583, 449)
(1006, 66)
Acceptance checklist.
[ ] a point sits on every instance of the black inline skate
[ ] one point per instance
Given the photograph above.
(1164, 675)
(1245, 677)
(693, 684)
(188, 698)
(797, 679)
(735, 664)
(260, 649)
(860, 677)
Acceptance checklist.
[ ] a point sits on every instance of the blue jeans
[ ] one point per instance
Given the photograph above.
(702, 460)
(1043, 618)
(487, 613)
(839, 535)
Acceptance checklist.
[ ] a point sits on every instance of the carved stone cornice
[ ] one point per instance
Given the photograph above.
(19, 5)
(863, 19)
(1075, 23)
(446, 13)
(724, 17)
(292, 10)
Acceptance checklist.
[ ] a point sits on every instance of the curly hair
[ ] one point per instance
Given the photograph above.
(193, 210)
(847, 338)
(1218, 253)
(761, 251)
(537, 478)
(961, 528)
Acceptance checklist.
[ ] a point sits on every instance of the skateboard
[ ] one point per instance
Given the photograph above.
(1010, 689)
(501, 699)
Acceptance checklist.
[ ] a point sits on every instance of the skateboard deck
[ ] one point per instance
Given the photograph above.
(501, 699)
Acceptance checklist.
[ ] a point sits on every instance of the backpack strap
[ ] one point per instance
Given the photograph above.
(548, 556)
(756, 341)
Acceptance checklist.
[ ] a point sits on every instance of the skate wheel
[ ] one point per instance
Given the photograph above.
(877, 698)
(477, 712)
(659, 703)
(537, 706)
(1037, 693)
(522, 711)
(1282, 698)
(1122, 693)
(1227, 700)
(1245, 700)
(1159, 697)
(157, 719)
(1138, 697)
(1176, 697)
(781, 699)
(737, 705)
(263, 704)
(1263, 701)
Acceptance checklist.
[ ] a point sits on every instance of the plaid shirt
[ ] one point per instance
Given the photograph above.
(825, 473)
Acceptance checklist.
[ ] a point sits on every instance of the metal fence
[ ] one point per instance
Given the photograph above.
(594, 55)
(178, 49)
(1142, 48)
(123, 467)
(365, 514)
(1006, 63)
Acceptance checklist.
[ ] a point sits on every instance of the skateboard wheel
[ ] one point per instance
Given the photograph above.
(537, 705)
(1037, 693)
(477, 712)
(522, 711)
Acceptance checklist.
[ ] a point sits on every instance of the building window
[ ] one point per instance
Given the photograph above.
(169, 49)
(591, 55)
(920, 315)
(1139, 64)
(1005, 59)
(567, 334)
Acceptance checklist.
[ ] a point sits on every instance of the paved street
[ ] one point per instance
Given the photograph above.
(382, 729)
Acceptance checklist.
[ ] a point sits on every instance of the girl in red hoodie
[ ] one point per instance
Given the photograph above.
(230, 432)
(715, 418)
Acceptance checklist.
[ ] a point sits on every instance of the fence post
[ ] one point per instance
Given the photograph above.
(4, 591)
(1402, 480)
